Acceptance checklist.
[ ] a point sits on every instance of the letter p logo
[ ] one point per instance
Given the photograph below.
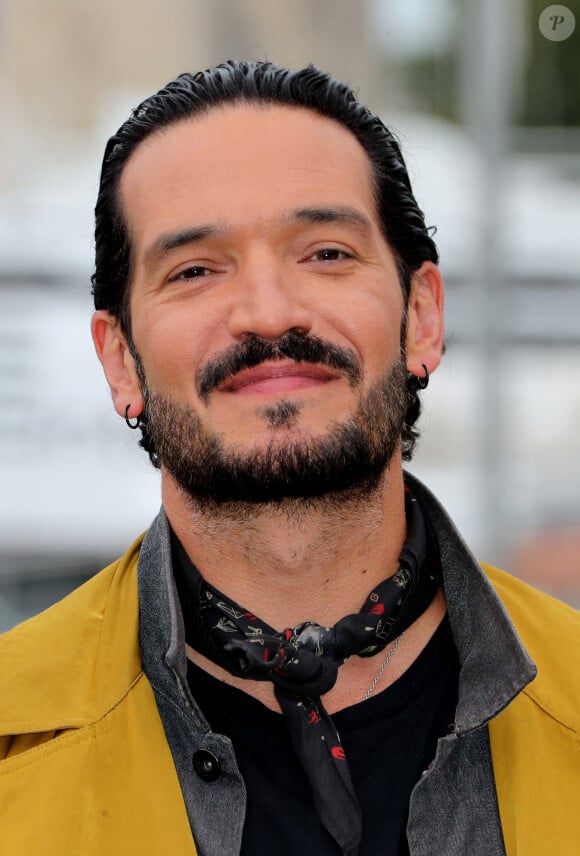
(557, 23)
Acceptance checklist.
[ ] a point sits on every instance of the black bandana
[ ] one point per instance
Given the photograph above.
(302, 662)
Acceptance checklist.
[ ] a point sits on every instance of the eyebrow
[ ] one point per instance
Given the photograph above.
(344, 214)
(334, 214)
(165, 244)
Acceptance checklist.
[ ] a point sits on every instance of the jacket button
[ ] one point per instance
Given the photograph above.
(206, 765)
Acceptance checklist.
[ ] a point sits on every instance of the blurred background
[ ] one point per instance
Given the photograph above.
(485, 98)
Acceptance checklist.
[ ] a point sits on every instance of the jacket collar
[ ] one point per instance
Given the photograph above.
(161, 630)
(80, 657)
(495, 666)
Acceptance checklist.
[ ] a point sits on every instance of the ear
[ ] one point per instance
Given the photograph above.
(118, 364)
(425, 327)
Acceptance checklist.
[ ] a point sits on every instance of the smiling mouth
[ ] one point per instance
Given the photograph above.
(273, 377)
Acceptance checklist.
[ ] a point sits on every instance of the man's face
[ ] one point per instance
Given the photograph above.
(266, 309)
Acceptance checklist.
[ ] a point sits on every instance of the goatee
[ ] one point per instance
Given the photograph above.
(349, 459)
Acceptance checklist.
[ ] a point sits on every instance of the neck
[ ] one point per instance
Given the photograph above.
(311, 560)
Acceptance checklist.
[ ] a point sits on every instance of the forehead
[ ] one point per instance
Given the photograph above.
(241, 165)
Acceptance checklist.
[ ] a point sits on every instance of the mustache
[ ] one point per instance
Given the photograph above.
(300, 347)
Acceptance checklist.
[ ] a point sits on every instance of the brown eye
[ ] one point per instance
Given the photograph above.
(330, 254)
(193, 272)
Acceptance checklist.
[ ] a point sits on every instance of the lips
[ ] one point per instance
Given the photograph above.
(278, 377)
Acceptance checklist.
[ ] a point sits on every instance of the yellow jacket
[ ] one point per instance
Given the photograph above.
(86, 770)
(535, 742)
(89, 772)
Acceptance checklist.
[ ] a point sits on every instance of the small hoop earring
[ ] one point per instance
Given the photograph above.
(422, 382)
(128, 421)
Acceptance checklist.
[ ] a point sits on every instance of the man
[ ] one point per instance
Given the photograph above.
(301, 655)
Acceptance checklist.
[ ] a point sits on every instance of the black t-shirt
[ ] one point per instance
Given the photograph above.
(389, 740)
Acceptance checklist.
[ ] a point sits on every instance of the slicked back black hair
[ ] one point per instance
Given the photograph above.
(402, 221)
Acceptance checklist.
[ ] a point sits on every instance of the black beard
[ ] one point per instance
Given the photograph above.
(350, 459)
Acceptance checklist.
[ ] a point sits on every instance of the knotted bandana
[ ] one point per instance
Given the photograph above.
(302, 662)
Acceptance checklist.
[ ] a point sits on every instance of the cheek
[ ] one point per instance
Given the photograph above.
(372, 327)
(173, 344)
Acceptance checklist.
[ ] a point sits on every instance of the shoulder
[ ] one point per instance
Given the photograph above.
(535, 613)
(550, 631)
(535, 740)
(63, 667)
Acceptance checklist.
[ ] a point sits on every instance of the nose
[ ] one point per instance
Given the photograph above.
(268, 300)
